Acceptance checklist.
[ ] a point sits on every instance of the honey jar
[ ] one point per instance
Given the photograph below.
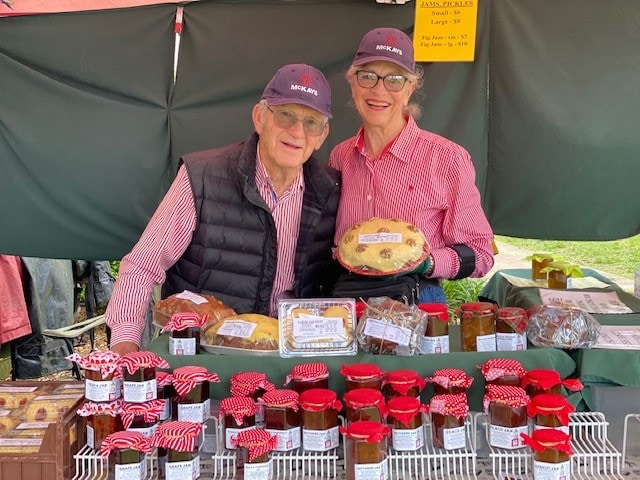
(541, 380)
(507, 410)
(184, 333)
(511, 328)
(253, 454)
(182, 442)
(103, 419)
(305, 376)
(254, 385)
(237, 414)
(502, 371)
(552, 454)
(448, 414)
(362, 375)
(142, 417)
(192, 403)
(399, 383)
(364, 404)
(436, 336)
(450, 381)
(320, 409)
(477, 326)
(139, 375)
(550, 410)
(103, 377)
(539, 261)
(127, 453)
(366, 450)
(282, 418)
(405, 417)
(559, 274)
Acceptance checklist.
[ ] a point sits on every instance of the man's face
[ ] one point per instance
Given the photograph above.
(287, 137)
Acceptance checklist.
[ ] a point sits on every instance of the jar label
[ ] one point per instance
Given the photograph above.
(103, 391)
(551, 471)
(231, 434)
(146, 431)
(194, 412)
(506, 437)
(140, 392)
(454, 438)
(258, 471)
(435, 344)
(562, 428)
(286, 439)
(486, 343)
(130, 471)
(90, 437)
(182, 470)
(367, 471)
(407, 440)
(386, 331)
(182, 346)
(511, 342)
(320, 440)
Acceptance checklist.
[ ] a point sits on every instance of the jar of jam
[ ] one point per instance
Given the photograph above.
(182, 442)
(502, 371)
(507, 410)
(539, 261)
(403, 383)
(103, 377)
(366, 450)
(362, 375)
(550, 410)
(254, 385)
(450, 381)
(139, 375)
(364, 404)
(103, 419)
(405, 418)
(282, 418)
(305, 376)
(477, 326)
(253, 454)
(184, 333)
(436, 336)
(559, 274)
(547, 381)
(164, 381)
(127, 453)
(142, 417)
(236, 414)
(320, 408)
(192, 403)
(511, 328)
(552, 454)
(448, 414)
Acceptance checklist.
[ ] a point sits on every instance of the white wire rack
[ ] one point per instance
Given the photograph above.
(594, 456)
(627, 424)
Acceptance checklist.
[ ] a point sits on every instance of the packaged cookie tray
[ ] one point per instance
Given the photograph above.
(315, 326)
(40, 431)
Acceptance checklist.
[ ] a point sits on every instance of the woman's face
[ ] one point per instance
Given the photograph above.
(378, 106)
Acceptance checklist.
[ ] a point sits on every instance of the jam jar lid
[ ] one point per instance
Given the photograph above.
(365, 397)
(404, 408)
(550, 404)
(104, 361)
(448, 377)
(150, 411)
(257, 441)
(245, 383)
(163, 379)
(438, 310)
(125, 440)
(318, 399)
(177, 435)
(481, 308)
(499, 367)
(403, 380)
(546, 379)
(238, 408)
(134, 361)
(281, 398)
(362, 371)
(366, 430)
(454, 405)
(548, 438)
(112, 408)
(510, 396)
(515, 317)
(186, 378)
(308, 372)
(183, 320)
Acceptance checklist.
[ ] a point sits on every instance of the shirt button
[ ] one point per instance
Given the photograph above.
(369, 198)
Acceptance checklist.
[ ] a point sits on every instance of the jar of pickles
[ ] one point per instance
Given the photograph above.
(305, 376)
(552, 454)
(436, 336)
(320, 408)
(182, 442)
(450, 381)
(364, 404)
(405, 418)
(448, 414)
(103, 419)
(477, 326)
(184, 333)
(236, 415)
(550, 410)
(511, 328)
(366, 450)
(103, 377)
(502, 371)
(253, 454)
(282, 418)
(127, 453)
(559, 274)
(139, 375)
(539, 261)
(399, 383)
(506, 407)
(541, 380)
(362, 375)
(164, 381)
(192, 403)
(142, 417)
(254, 385)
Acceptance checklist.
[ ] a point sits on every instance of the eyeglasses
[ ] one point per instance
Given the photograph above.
(287, 119)
(391, 82)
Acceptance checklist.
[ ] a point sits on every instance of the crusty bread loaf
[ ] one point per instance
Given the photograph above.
(249, 331)
(191, 302)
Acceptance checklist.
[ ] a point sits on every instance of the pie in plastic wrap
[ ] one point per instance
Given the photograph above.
(381, 246)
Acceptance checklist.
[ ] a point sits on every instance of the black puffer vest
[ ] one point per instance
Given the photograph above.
(232, 255)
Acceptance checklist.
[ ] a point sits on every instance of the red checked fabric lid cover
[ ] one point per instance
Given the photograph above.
(134, 361)
(163, 379)
(244, 384)
(150, 411)
(319, 399)
(104, 361)
(447, 377)
(481, 308)
(546, 379)
(281, 398)
(454, 405)
(500, 367)
(551, 404)
(404, 409)
(177, 435)
(308, 372)
(257, 441)
(112, 408)
(125, 440)
(366, 430)
(438, 310)
(402, 380)
(238, 408)
(515, 317)
(510, 396)
(361, 371)
(548, 438)
(365, 397)
(186, 378)
(183, 320)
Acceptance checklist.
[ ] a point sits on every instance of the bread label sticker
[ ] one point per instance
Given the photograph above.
(386, 331)
(17, 389)
(237, 328)
(310, 327)
(370, 238)
(195, 298)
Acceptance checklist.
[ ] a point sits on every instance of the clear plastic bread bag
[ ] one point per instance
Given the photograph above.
(562, 326)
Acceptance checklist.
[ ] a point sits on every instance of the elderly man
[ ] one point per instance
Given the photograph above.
(247, 223)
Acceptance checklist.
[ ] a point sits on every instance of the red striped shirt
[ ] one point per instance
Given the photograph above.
(421, 178)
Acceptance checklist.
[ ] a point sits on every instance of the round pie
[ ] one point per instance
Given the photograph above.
(381, 246)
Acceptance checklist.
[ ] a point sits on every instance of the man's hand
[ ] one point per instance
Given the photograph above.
(124, 347)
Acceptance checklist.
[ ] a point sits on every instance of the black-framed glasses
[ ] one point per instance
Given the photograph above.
(392, 82)
(286, 119)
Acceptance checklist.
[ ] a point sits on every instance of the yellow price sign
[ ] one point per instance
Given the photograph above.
(445, 30)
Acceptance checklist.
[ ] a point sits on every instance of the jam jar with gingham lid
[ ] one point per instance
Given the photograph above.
(404, 414)
(184, 333)
(511, 328)
(182, 442)
(192, 402)
(506, 407)
(103, 376)
(236, 414)
(448, 414)
(450, 381)
(253, 454)
(477, 326)
(550, 410)
(366, 450)
(282, 418)
(402, 383)
(305, 376)
(502, 371)
(552, 454)
(103, 419)
(127, 453)
(139, 375)
(539, 261)
(142, 417)
(254, 385)
(320, 408)
(362, 375)
(364, 404)
(541, 380)
(436, 335)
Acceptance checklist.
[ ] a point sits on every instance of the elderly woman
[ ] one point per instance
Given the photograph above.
(393, 169)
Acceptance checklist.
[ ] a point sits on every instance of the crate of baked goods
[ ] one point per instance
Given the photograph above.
(40, 430)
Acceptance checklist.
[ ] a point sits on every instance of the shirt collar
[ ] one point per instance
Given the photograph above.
(406, 138)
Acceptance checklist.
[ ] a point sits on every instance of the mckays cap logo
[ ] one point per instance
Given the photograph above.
(304, 84)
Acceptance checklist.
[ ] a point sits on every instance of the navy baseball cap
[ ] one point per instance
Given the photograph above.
(387, 45)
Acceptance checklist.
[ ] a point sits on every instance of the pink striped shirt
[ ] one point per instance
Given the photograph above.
(168, 235)
(421, 178)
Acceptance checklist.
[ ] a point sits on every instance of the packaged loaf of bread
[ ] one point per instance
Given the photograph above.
(248, 331)
(191, 302)
(562, 326)
(380, 246)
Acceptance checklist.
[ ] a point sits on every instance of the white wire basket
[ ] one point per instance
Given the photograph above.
(627, 424)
